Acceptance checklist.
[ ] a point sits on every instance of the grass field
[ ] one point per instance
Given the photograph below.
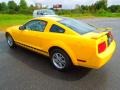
(7, 20)
(11, 20)
(98, 15)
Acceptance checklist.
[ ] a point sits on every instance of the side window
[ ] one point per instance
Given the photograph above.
(36, 25)
(57, 29)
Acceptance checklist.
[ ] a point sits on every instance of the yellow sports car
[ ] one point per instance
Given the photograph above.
(65, 40)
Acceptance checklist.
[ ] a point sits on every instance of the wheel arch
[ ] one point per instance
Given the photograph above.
(55, 47)
(67, 50)
(7, 33)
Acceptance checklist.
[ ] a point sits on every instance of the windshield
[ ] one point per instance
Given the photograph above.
(77, 26)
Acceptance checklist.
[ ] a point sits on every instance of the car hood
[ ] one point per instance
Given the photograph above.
(13, 28)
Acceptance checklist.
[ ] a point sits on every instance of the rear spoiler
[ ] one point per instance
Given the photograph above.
(104, 29)
(102, 32)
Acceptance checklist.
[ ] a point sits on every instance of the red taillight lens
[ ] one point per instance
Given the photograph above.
(101, 47)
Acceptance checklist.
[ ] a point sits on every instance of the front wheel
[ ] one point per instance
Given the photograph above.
(10, 41)
(60, 60)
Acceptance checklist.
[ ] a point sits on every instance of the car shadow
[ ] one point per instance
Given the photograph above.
(42, 64)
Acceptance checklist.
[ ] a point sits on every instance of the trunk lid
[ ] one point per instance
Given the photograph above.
(103, 38)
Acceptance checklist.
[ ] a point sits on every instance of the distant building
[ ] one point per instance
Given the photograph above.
(57, 6)
(40, 6)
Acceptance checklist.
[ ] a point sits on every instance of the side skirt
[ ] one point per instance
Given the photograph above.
(33, 49)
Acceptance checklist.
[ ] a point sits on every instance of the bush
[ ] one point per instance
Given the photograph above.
(103, 12)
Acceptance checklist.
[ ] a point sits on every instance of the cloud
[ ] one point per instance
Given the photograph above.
(115, 2)
(65, 3)
(39, 0)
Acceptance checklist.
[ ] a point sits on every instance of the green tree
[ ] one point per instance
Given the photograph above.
(92, 9)
(3, 7)
(78, 9)
(31, 9)
(85, 8)
(101, 4)
(23, 4)
(23, 7)
(82, 8)
(114, 8)
(12, 7)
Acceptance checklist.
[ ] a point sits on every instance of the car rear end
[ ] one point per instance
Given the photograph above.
(94, 47)
(104, 47)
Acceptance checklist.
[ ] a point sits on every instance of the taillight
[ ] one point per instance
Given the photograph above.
(101, 47)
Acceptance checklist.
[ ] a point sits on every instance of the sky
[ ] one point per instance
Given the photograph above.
(68, 4)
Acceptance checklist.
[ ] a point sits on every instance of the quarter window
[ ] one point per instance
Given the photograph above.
(57, 29)
(36, 25)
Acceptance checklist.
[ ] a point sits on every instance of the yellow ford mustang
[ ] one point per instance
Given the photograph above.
(66, 41)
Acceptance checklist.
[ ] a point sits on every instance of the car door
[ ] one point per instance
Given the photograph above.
(33, 33)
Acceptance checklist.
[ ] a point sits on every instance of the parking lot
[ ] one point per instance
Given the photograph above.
(21, 69)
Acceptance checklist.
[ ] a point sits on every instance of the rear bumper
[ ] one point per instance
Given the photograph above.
(99, 60)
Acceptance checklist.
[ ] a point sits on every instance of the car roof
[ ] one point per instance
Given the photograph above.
(55, 18)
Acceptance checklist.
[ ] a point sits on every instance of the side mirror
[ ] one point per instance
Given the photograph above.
(21, 28)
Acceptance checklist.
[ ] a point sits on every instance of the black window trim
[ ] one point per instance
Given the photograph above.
(36, 20)
(58, 26)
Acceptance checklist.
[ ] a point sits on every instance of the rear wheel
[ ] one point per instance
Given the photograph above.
(10, 41)
(60, 60)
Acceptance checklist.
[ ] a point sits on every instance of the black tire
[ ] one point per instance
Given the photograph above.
(10, 41)
(66, 62)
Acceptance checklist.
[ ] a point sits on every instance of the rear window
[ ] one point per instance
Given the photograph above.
(77, 26)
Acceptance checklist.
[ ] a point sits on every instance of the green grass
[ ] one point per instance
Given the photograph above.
(108, 15)
(88, 15)
(7, 20)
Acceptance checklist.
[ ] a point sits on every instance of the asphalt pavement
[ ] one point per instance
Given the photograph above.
(21, 69)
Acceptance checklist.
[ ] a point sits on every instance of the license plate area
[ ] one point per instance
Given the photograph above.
(109, 38)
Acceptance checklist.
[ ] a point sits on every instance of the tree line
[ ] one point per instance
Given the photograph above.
(13, 8)
(22, 8)
(100, 7)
